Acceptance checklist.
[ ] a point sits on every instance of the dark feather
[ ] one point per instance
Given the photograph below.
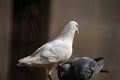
(23, 65)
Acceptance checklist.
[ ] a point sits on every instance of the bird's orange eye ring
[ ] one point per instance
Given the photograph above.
(58, 66)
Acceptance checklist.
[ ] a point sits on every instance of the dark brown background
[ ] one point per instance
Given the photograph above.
(27, 24)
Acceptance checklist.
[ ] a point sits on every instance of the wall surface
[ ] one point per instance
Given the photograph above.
(30, 31)
(5, 27)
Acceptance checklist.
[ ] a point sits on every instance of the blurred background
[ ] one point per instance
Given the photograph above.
(25, 25)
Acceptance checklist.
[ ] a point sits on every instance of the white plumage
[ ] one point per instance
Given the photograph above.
(59, 49)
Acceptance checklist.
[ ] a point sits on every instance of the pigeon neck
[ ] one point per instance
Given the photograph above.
(68, 35)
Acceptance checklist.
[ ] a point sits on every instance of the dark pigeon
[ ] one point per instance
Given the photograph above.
(82, 68)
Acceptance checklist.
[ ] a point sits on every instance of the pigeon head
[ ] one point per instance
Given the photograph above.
(74, 26)
(70, 30)
(63, 71)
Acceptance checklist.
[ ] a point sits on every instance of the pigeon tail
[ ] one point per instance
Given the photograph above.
(104, 71)
(23, 65)
(100, 61)
(100, 64)
(28, 59)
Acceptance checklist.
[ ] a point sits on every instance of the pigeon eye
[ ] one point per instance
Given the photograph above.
(77, 25)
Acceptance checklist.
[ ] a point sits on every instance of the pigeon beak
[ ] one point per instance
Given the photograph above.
(77, 31)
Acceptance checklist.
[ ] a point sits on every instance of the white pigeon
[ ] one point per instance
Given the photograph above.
(55, 51)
